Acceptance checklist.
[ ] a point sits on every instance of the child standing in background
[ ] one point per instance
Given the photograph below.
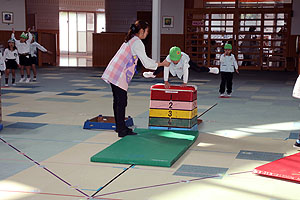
(23, 46)
(228, 65)
(296, 94)
(2, 64)
(34, 46)
(11, 57)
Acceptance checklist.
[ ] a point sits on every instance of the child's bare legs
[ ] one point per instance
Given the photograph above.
(28, 74)
(6, 76)
(22, 74)
(34, 72)
(13, 80)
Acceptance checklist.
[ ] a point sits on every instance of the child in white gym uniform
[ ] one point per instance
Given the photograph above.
(178, 63)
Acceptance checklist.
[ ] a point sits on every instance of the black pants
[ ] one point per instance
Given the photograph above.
(193, 66)
(226, 81)
(119, 106)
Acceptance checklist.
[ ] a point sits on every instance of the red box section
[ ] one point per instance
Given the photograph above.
(174, 93)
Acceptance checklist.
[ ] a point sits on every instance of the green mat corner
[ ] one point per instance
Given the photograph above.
(149, 147)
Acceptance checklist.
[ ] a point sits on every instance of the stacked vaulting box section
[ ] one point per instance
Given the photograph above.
(174, 108)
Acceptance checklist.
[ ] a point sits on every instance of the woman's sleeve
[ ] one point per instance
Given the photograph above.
(139, 49)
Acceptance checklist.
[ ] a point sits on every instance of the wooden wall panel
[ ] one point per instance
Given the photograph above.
(105, 45)
(49, 41)
(6, 35)
(169, 40)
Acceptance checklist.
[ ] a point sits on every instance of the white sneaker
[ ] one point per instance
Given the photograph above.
(14, 84)
(214, 70)
(27, 80)
(6, 85)
(222, 95)
(34, 79)
(148, 75)
(21, 80)
(229, 95)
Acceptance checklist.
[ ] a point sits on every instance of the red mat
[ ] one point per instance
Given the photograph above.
(285, 168)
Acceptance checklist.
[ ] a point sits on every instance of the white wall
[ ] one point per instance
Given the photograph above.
(19, 14)
(173, 8)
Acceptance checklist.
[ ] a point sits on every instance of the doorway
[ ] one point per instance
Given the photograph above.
(76, 36)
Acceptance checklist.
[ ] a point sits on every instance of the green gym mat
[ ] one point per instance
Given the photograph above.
(150, 147)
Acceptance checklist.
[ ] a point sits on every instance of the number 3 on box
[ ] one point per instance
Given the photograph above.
(170, 113)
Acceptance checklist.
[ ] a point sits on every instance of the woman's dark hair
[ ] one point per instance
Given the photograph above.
(135, 28)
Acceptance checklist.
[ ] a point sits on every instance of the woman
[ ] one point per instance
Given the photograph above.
(121, 69)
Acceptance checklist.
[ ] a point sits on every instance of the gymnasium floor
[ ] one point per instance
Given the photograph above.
(44, 121)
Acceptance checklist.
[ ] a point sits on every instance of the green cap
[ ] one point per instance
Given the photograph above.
(227, 46)
(175, 53)
(24, 35)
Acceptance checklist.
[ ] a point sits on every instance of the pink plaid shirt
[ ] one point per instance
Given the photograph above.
(121, 68)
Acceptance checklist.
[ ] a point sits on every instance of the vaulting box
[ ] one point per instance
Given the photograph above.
(179, 114)
(167, 122)
(176, 105)
(174, 93)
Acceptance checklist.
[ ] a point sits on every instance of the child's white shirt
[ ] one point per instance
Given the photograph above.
(228, 63)
(33, 49)
(23, 48)
(180, 69)
(296, 90)
(11, 55)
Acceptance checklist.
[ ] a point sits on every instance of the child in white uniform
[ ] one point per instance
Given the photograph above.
(11, 57)
(23, 46)
(228, 65)
(178, 63)
(34, 46)
(296, 94)
(2, 64)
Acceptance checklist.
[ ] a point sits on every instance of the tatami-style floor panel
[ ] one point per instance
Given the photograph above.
(44, 120)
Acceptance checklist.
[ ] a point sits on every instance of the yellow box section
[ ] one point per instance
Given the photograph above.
(179, 114)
